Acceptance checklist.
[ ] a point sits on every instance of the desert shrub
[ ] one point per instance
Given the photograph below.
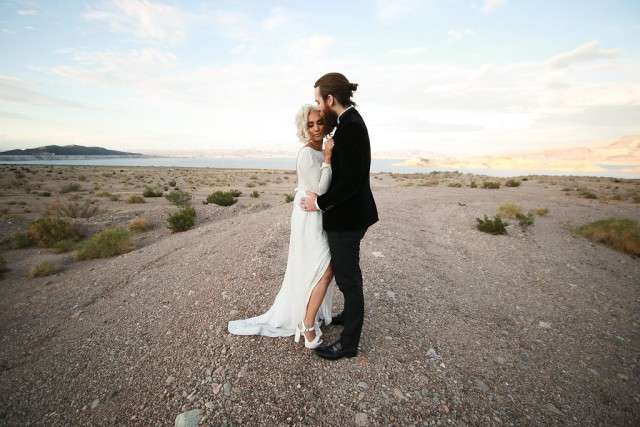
(508, 210)
(492, 185)
(178, 197)
(44, 194)
(255, 194)
(114, 197)
(182, 220)
(70, 187)
(65, 246)
(221, 198)
(288, 198)
(525, 179)
(22, 240)
(587, 194)
(620, 234)
(105, 194)
(135, 199)
(151, 192)
(82, 178)
(45, 268)
(3, 266)
(49, 231)
(525, 220)
(454, 184)
(492, 226)
(172, 183)
(473, 184)
(105, 244)
(540, 211)
(73, 209)
(636, 198)
(236, 193)
(140, 225)
(512, 183)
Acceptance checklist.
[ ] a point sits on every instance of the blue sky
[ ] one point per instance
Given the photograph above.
(452, 77)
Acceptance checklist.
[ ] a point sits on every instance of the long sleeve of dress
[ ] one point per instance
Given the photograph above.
(312, 174)
(325, 178)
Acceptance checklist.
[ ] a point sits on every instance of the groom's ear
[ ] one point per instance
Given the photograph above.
(330, 100)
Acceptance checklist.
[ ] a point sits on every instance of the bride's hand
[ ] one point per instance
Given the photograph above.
(328, 150)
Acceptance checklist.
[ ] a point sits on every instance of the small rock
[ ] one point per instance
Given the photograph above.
(623, 377)
(432, 354)
(361, 419)
(391, 294)
(480, 385)
(227, 389)
(545, 325)
(170, 379)
(215, 387)
(551, 408)
(95, 403)
(242, 372)
(501, 360)
(207, 372)
(377, 255)
(363, 386)
(209, 405)
(398, 394)
(188, 418)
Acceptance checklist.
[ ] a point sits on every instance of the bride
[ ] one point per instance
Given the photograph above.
(305, 296)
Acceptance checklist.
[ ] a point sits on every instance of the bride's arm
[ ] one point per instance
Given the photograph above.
(325, 178)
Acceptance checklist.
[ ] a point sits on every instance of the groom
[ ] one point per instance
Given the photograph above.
(348, 208)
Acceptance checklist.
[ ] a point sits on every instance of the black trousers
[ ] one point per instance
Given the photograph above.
(345, 260)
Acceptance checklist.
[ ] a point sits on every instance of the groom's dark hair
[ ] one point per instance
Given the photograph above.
(336, 84)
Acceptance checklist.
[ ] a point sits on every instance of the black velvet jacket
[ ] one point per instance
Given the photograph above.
(348, 203)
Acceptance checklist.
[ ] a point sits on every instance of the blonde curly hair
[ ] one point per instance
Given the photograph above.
(302, 117)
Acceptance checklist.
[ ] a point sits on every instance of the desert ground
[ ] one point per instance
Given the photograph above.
(538, 326)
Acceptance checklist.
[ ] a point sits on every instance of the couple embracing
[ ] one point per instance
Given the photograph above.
(332, 209)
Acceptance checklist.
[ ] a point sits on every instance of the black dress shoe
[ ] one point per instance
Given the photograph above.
(338, 320)
(334, 351)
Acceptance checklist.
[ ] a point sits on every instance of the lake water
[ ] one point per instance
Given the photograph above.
(377, 165)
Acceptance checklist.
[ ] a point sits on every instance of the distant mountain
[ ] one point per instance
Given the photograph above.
(67, 150)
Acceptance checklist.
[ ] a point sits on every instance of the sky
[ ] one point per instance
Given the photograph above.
(443, 78)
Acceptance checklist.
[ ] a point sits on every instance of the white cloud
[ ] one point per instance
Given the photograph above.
(28, 12)
(278, 17)
(587, 52)
(144, 19)
(14, 90)
(388, 11)
(491, 5)
(407, 51)
(458, 34)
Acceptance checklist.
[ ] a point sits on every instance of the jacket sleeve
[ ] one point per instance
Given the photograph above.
(351, 161)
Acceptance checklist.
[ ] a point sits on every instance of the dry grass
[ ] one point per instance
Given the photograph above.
(140, 225)
(509, 210)
(620, 234)
(45, 268)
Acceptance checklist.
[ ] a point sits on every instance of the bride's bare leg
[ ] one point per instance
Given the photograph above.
(315, 300)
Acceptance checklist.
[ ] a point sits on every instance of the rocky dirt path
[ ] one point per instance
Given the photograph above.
(536, 327)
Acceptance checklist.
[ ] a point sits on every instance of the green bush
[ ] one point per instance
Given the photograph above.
(525, 220)
(473, 184)
(49, 231)
(454, 185)
(512, 183)
(178, 197)
(65, 246)
(587, 194)
(74, 209)
(492, 226)
(182, 220)
(221, 198)
(151, 192)
(172, 183)
(22, 240)
(105, 244)
(492, 185)
(255, 194)
(288, 198)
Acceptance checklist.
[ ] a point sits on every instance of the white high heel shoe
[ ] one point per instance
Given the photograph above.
(301, 330)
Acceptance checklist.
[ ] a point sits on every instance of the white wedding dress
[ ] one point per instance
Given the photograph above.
(308, 259)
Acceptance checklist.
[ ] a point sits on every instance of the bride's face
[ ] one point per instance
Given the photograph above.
(315, 125)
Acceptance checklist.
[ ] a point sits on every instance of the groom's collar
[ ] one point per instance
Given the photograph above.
(345, 110)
